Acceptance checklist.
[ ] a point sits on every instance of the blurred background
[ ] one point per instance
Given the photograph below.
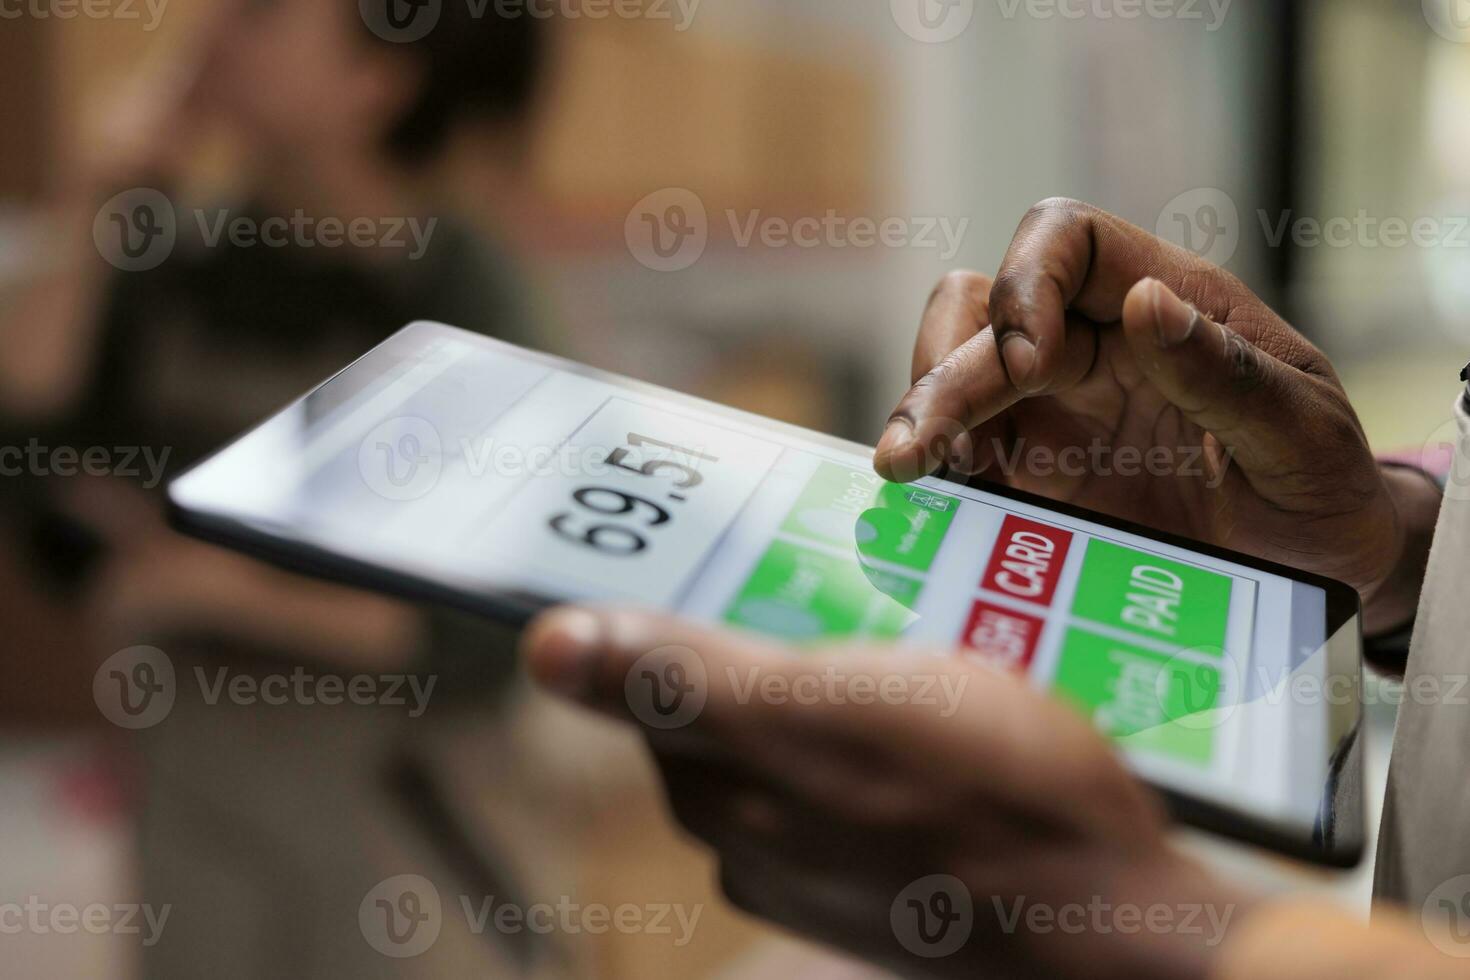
(745, 200)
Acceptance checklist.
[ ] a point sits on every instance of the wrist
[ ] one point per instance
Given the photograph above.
(1194, 914)
(1164, 918)
(1392, 603)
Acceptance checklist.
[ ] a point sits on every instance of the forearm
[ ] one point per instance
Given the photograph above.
(1185, 923)
(49, 317)
(1393, 602)
(1300, 940)
(191, 592)
(1165, 917)
(326, 622)
(1241, 936)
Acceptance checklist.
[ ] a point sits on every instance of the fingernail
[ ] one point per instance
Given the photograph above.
(897, 438)
(962, 453)
(1174, 319)
(563, 648)
(1019, 354)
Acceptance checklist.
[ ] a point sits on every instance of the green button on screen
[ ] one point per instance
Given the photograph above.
(847, 508)
(1163, 600)
(803, 594)
(1147, 701)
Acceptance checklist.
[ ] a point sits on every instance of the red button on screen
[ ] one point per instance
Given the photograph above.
(1027, 561)
(1002, 637)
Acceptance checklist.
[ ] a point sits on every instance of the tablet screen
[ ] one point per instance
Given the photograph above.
(498, 472)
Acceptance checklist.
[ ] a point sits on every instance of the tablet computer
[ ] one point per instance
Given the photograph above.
(448, 467)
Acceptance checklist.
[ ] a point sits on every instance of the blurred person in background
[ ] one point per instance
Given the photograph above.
(333, 124)
(248, 810)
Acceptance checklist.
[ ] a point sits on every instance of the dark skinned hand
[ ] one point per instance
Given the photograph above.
(1107, 368)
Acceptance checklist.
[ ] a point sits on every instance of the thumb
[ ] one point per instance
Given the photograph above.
(1250, 401)
(650, 669)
